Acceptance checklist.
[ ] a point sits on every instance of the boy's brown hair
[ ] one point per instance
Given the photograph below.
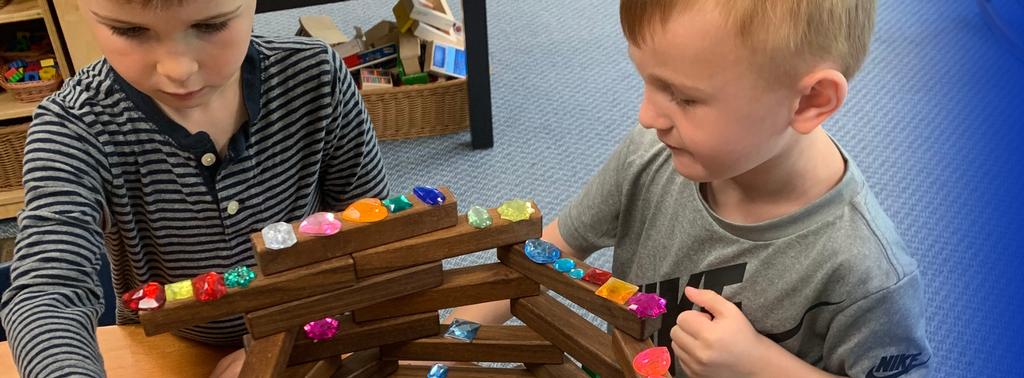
(787, 36)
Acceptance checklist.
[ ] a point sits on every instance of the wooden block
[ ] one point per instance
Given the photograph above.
(263, 292)
(409, 52)
(435, 13)
(449, 242)
(566, 369)
(569, 331)
(578, 291)
(321, 27)
(462, 286)
(366, 364)
(376, 35)
(354, 237)
(493, 343)
(324, 368)
(367, 292)
(354, 336)
(626, 348)
(268, 356)
(409, 371)
(430, 33)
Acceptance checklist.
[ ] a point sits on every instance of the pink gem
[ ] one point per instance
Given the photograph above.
(652, 362)
(320, 224)
(321, 330)
(646, 305)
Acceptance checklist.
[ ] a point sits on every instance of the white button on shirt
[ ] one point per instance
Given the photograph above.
(232, 207)
(209, 159)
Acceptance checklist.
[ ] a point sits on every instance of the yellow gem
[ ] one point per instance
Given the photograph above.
(516, 210)
(178, 290)
(617, 290)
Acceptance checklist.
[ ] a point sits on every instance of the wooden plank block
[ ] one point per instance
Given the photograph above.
(324, 368)
(366, 292)
(462, 286)
(580, 292)
(354, 236)
(569, 331)
(365, 364)
(409, 371)
(626, 348)
(493, 343)
(268, 356)
(449, 242)
(263, 292)
(566, 369)
(353, 336)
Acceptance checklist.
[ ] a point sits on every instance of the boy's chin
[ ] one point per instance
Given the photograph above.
(690, 169)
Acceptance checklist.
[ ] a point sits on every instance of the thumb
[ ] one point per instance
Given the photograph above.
(710, 300)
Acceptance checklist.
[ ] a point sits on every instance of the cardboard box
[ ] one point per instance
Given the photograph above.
(430, 33)
(445, 60)
(371, 57)
(321, 27)
(431, 12)
(382, 34)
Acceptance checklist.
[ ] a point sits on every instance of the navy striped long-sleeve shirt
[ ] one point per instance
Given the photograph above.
(107, 171)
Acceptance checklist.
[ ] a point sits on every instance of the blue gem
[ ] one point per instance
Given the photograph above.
(462, 330)
(542, 252)
(438, 371)
(577, 273)
(429, 195)
(564, 265)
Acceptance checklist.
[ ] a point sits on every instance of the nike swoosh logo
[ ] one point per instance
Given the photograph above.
(871, 373)
(791, 333)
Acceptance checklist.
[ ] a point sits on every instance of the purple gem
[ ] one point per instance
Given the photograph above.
(321, 330)
(646, 305)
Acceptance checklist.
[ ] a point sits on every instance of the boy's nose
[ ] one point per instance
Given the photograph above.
(650, 118)
(177, 68)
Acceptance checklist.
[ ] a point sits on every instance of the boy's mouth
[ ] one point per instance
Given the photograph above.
(184, 96)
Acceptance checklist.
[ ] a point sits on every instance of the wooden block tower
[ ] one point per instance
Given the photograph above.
(383, 283)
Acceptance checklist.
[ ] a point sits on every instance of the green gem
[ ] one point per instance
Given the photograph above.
(479, 217)
(239, 277)
(397, 204)
(590, 373)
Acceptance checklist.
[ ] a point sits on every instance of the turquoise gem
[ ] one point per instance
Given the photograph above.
(463, 330)
(565, 265)
(542, 252)
(397, 204)
(438, 371)
(577, 273)
(239, 277)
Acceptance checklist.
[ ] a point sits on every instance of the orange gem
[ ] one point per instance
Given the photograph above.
(617, 290)
(366, 210)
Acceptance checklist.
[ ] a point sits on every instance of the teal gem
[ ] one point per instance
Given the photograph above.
(565, 265)
(577, 273)
(239, 277)
(397, 204)
(479, 217)
(438, 371)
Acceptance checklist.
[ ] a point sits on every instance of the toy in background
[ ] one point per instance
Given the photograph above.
(21, 71)
(445, 60)
(374, 79)
(30, 42)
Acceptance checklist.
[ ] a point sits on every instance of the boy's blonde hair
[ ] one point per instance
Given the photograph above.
(787, 36)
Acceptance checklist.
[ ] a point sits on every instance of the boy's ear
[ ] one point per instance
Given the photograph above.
(822, 93)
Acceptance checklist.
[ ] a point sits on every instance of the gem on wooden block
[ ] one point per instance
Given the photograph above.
(565, 265)
(617, 290)
(397, 204)
(463, 330)
(479, 217)
(178, 290)
(652, 362)
(207, 287)
(438, 371)
(516, 210)
(597, 276)
(278, 235)
(239, 277)
(577, 273)
(429, 195)
(646, 305)
(320, 224)
(321, 330)
(148, 297)
(542, 252)
(366, 210)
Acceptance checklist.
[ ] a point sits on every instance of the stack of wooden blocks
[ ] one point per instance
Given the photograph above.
(384, 283)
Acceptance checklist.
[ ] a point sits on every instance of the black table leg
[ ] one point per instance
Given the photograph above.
(478, 73)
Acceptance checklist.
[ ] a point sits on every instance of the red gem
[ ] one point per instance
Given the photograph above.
(148, 297)
(597, 276)
(209, 286)
(652, 362)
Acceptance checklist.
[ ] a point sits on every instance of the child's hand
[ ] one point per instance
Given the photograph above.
(230, 366)
(726, 346)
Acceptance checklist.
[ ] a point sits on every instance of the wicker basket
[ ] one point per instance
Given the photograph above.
(33, 91)
(12, 153)
(418, 110)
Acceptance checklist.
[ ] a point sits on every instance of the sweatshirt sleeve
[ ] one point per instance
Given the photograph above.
(51, 309)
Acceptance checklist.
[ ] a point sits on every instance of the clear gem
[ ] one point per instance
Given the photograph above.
(321, 330)
(178, 290)
(565, 265)
(617, 290)
(320, 224)
(438, 371)
(429, 195)
(397, 204)
(148, 297)
(278, 235)
(652, 362)
(207, 287)
(462, 330)
(479, 217)
(542, 252)
(646, 305)
(516, 210)
(597, 276)
(239, 277)
(577, 273)
(366, 210)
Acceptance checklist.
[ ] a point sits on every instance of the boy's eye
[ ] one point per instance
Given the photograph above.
(211, 28)
(128, 32)
(684, 102)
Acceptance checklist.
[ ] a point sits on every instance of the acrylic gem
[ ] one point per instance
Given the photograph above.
(542, 252)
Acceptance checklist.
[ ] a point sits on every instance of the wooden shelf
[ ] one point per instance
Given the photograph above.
(11, 108)
(21, 10)
(11, 202)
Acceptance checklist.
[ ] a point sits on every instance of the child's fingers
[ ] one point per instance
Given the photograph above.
(685, 361)
(693, 322)
(684, 342)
